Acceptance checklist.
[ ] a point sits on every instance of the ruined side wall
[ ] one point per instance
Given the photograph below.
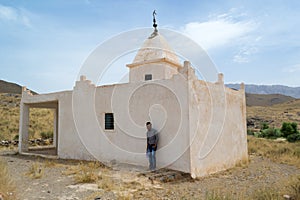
(217, 127)
(68, 143)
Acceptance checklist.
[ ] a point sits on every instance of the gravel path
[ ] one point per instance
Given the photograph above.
(164, 184)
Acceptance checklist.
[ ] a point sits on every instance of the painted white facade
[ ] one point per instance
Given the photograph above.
(202, 125)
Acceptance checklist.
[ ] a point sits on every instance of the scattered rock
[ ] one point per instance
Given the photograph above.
(280, 139)
(84, 187)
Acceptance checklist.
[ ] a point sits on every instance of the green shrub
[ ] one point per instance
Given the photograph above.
(47, 135)
(288, 128)
(16, 137)
(264, 126)
(293, 137)
(295, 126)
(278, 133)
(271, 133)
(257, 134)
(250, 132)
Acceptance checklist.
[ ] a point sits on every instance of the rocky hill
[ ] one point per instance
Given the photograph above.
(266, 99)
(274, 115)
(11, 88)
(269, 89)
(7, 87)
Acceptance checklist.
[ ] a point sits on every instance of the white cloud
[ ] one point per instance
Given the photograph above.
(8, 13)
(13, 15)
(218, 32)
(243, 56)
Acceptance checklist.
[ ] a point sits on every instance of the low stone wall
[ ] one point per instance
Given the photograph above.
(31, 142)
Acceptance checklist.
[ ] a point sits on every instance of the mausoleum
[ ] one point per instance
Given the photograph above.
(201, 124)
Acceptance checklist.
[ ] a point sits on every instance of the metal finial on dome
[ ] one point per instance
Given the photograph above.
(154, 21)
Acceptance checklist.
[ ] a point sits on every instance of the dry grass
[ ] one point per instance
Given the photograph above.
(51, 163)
(9, 116)
(36, 170)
(290, 188)
(7, 187)
(217, 195)
(294, 187)
(41, 120)
(86, 175)
(267, 193)
(277, 151)
(106, 182)
(85, 172)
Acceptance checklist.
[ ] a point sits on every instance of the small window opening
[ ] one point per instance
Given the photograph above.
(148, 77)
(109, 121)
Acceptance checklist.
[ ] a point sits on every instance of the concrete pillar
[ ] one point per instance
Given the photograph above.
(55, 128)
(23, 128)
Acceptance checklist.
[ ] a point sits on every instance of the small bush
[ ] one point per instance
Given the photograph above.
(35, 171)
(16, 137)
(271, 133)
(86, 175)
(293, 137)
(288, 128)
(250, 132)
(264, 126)
(295, 126)
(257, 134)
(47, 135)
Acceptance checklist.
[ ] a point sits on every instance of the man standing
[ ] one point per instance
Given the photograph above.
(152, 140)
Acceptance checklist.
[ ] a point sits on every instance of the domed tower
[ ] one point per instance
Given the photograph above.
(155, 60)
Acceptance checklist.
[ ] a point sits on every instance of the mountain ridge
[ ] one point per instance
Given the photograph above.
(268, 89)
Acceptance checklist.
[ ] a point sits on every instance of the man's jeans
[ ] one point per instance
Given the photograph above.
(152, 159)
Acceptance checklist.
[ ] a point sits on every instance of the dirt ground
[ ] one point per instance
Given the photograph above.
(132, 182)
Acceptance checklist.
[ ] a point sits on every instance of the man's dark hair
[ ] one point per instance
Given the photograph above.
(148, 123)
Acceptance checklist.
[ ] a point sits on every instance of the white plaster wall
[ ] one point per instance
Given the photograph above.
(81, 121)
(158, 70)
(217, 126)
(69, 143)
(163, 102)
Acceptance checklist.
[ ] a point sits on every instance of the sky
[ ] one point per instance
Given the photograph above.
(43, 44)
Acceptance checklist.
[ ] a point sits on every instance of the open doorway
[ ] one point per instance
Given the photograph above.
(39, 131)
